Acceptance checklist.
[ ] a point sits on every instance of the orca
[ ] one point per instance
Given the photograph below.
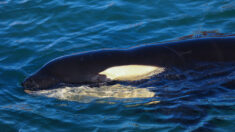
(136, 63)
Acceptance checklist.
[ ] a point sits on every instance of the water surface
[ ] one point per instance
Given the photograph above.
(34, 32)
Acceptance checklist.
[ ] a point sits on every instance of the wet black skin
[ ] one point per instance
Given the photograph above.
(83, 68)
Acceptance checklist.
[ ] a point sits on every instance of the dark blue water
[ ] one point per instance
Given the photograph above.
(34, 32)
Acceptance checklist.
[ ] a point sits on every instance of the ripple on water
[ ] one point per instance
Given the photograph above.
(34, 32)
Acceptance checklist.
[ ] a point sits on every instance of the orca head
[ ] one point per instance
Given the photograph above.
(39, 82)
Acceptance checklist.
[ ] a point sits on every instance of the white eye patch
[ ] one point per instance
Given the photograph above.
(131, 72)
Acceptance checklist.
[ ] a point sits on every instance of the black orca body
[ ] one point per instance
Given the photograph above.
(89, 67)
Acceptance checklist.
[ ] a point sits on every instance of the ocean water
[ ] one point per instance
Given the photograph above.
(32, 32)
